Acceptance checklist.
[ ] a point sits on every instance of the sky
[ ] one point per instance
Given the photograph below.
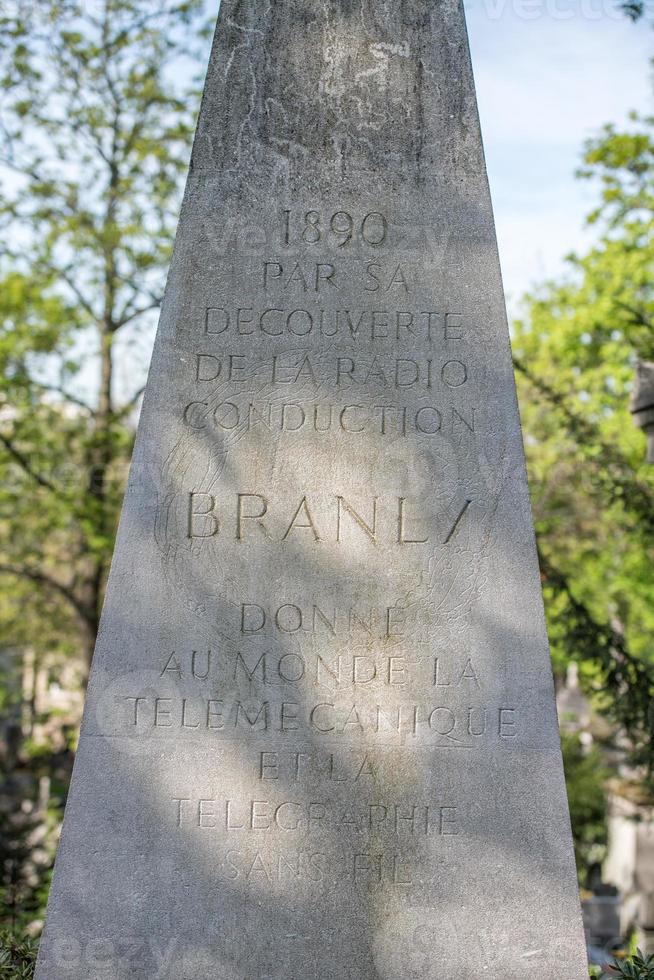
(549, 74)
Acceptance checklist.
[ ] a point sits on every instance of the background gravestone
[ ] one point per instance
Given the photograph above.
(320, 737)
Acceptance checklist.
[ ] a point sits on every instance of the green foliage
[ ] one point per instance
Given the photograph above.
(586, 776)
(593, 494)
(17, 957)
(29, 816)
(638, 967)
(98, 110)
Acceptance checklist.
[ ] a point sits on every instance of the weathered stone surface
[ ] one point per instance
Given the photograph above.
(642, 404)
(320, 738)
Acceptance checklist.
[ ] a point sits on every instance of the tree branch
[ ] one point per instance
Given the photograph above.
(616, 473)
(42, 578)
(140, 289)
(629, 681)
(72, 399)
(128, 315)
(638, 316)
(84, 303)
(25, 464)
(128, 406)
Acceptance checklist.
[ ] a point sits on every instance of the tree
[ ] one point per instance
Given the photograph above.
(586, 775)
(97, 117)
(575, 350)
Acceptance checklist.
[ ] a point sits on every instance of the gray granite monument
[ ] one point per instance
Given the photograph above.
(320, 740)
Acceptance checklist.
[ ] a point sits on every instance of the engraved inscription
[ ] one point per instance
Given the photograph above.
(437, 724)
(328, 519)
(340, 228)
(334, 513)
(381, 326)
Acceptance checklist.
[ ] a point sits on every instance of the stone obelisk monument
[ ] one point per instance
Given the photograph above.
(320, 738)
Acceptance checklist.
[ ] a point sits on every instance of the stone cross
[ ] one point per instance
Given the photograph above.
(320, 737)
